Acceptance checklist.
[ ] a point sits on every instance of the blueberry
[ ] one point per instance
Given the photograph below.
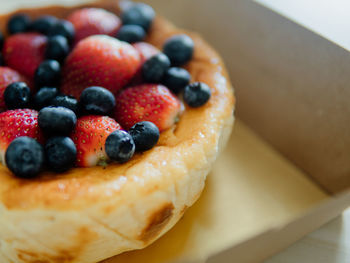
(57, 120)
(145, 135)
(176, 79)
(97, 100)
(155, 67)
(57, 48)
(48, 74)
(63, 28)
(60, 153)
(131, 33)
(18, 23)
(120, 146)
(44, 97)
(25, 157)
(179, 49)
(43, 24)
(197, 94)
(17, 96)
(67, 102)
(139, 14)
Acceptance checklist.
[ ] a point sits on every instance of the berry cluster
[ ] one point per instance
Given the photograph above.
(86, 90)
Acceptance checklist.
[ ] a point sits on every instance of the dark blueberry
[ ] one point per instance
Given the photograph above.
(57, 120)
(131, 33)
(179, 49)
(154, 68)
(138, 14)
(43, 24)
(60, 153)
(18, 23)
(17, 96)
(145, 135)
(120, 146)
(1, 40)
(44, 97)
(25, 157)
(67, 102)
(176, 79)
(57, 48)
(197, 94)
(97, 100)
(48, 74)
(63, 28)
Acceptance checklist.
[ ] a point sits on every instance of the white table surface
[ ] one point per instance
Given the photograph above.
(329, 244)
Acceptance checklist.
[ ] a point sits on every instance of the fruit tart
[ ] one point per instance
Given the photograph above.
(110, 120)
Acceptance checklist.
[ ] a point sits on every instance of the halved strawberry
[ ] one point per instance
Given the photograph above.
(145, 50)
(8, 76)
(148, 102)
(16, 123)
(93, 21)
(24, 52)
(99, 61)
(89, 136)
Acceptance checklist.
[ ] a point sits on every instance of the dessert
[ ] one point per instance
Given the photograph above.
(153, 156)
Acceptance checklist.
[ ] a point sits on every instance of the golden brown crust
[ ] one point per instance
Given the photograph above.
(127, 205)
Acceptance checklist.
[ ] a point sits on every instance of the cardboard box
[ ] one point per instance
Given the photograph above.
(289, 172)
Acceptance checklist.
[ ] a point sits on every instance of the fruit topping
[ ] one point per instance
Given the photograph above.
(155, 67)
(63, 28)
(90, 136)
(18, 23)
(57, 48)
(44, 97)
(179, 49)
(67, 102)
(25, 157)
(17, 96)
(57, 120)
(139, 14)
(97, 100)
(60, 153)
(147, 102)
(101, 61)
(120, 146)
(98, 59)
(24, 52)
(131, 33)
(16, 123)
(93, 21)
(48, 74)
(145, 135)
(176, 79)
(43, 24)
(8, 76)
(197, 94)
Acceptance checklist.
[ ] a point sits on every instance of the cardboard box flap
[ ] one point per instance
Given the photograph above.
(292, 85)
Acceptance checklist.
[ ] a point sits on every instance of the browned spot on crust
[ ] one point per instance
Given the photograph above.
(156, 222)
(81, 239)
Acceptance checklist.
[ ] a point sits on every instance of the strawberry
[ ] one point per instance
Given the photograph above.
(24, 52)
(147, 102)
(99, 61)
(146, 51)
(16, 123)
(89, 136)
(93, 21)
(8, 76)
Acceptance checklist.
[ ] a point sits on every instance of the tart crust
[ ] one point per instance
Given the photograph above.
(89, 214)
